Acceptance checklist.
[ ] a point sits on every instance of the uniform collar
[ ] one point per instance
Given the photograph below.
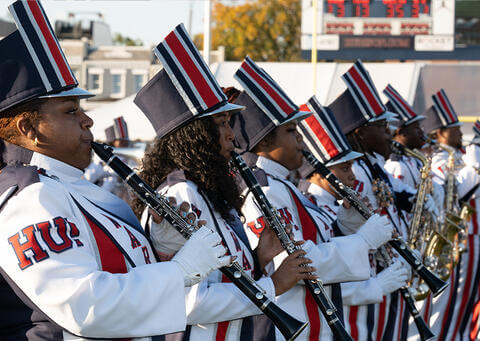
(56, 168)
(319, 191)
(272, 167)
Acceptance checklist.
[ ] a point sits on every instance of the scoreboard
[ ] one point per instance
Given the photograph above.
(408, 25)
(378, 9)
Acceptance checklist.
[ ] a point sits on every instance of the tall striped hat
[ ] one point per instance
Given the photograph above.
(120, 128)
(364, 93)
(184, 89)
(397, 104)
(444, 108)
(267, 106)
(32, 64)
(323, 137)
(476, 128)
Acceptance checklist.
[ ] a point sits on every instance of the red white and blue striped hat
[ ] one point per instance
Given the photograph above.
(444, 108)
(185, 89)
(476, 128)
(364, 93)
(120, 128)
(397, 104)
(267, 106)
(32, 64)
(323, 137)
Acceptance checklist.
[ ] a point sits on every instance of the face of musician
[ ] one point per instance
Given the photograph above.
(62, 131)
(226, 133)
(343, 171)
(375, 137)
(411, 135)
(451, 136)
(283, 145)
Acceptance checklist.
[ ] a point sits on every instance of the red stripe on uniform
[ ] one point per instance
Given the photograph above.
(52, 44)
(400, 99)
(474, 327)
(400, 318)
(365, 89)
(222, 327)
(381, 318)
(287, 109)
(428, 304)
(322, 136)
(446, 107)
(309, 232)
(445, 312)
(468, 282)
(110, 256)
(352, 321)
(474, 216)
(199, 82)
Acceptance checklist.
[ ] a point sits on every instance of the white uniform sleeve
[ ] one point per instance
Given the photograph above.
(69, 287)
(211, 301)
(361, 293)
(335, 261)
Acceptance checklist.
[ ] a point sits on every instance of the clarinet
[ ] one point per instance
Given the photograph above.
(272, 216)
(288, 325)
(437, 285)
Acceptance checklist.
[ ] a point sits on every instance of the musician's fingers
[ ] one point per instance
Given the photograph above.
(346, 204)
(298, 253)
(201, 223)
(305, 269)
(183, 208)
(172, 202)
(299, 242)
(155, 216)
(191, 217)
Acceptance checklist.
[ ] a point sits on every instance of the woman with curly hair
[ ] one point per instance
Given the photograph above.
(190, 161)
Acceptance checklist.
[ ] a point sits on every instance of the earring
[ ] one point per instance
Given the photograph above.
(35, 142)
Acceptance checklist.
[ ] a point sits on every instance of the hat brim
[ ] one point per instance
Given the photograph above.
(456, 124)
(352, 155)
(415, 119)
(301, 115)
(226, 108)
(75, 92)
(387, 115)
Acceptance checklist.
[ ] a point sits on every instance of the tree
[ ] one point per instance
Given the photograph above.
(264, 30)
(119, 39)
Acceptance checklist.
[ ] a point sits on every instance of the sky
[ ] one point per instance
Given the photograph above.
(147, 20)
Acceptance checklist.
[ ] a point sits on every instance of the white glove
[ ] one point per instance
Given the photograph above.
(472, 156)
(376, 231)
(200, 255)
(165, 238)
(438, 194)
(392, 278)
(349, 220)
(431, 205)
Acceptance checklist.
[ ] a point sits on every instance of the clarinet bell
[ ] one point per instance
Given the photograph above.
(289, 326)
(423, 330)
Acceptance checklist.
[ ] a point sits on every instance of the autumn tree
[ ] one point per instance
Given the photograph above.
(264, 30)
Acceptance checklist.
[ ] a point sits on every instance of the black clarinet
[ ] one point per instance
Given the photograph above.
(315, 287)
(436, 285)
(398, 244)
(288, 325)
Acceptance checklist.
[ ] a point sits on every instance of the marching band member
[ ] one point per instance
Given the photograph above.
(323, 137)
(453, 314)
(267, 128)
(363, 119)
(189, 161)
(74, 259)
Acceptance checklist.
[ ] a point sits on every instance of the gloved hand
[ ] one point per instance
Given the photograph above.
(349, 220)
(200, 255)
(438, 194)
(472, 156)
(376, 231)
(392, 278)
(431, 206)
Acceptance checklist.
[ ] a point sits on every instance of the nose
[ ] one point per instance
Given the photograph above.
(230, 134)
(86, 121)
(298, 136)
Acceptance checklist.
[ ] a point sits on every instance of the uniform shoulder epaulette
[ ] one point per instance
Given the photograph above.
(260, 175)
(14, 178)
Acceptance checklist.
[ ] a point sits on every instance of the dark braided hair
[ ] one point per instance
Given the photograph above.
(195, 149)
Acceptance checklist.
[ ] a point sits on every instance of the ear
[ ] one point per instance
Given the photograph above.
(25, 128)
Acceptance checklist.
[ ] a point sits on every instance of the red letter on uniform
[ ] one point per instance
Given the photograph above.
(31, 244)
